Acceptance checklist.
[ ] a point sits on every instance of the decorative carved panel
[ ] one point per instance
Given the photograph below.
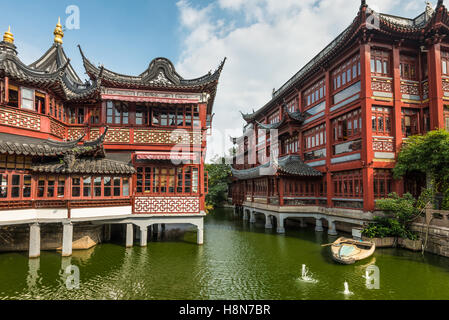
(410, 88)
(117, 135)
(166, 137)
(166, 205)
(57, 129)
(381, 85)
(20, 119)
(74, 133)
(94, 134)
(383, 144)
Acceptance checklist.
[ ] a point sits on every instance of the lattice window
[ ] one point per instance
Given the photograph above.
(348, 184)
(382, 183)
(380, 63)
(410, 122)
(381, 120)
(445, 63)
(167, 180)
(347, 126)
(408, 67)
(315, 94)
(347, 73)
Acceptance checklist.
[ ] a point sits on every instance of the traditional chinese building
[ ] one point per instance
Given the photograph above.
(113, 149)
(341, 121)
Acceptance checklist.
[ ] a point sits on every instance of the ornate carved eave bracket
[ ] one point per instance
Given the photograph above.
(248, 117)
(272, 126)
(297, 116)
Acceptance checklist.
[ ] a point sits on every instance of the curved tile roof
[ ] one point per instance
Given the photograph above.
(85, 166)
(53, 78)
(160, 74)
(290, 165)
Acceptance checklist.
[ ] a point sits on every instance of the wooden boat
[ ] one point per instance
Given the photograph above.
(348, 251)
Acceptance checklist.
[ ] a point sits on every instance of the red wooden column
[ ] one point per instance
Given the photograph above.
(300, 135)
(202, 110)
(367, 130)
(6, 90)
(436, 108)
(280, 190)
(330, 187)
(397, 113)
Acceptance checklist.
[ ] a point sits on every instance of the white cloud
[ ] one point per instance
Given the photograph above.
(266, 43)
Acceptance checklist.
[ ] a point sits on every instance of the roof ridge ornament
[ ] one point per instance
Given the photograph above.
(59, 34)
(8, 36)
(363, 4)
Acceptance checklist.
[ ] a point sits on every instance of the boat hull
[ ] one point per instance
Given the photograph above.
(359, 250)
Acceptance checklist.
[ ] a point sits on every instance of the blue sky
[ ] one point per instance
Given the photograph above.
(265, 41)
(109, 31)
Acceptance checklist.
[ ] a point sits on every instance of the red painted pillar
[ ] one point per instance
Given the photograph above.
(367, 131)
(436, 108)
(397, 113)
(328, 177)
(203, 118)
(281, 191)
(47, 104)
(6, 90)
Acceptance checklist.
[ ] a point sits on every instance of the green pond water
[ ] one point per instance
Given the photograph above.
(237, 261)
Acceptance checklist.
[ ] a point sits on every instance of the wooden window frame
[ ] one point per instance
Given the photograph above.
(385, 114)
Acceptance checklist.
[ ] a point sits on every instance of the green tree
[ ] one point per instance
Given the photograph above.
(427, 154)
(219, 179)
(400, 212)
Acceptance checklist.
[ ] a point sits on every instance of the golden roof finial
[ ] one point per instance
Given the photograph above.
(8, 36)
(59, 34)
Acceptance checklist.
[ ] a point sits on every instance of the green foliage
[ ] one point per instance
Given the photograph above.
(428, 154)
(383, 227)
(400, 213)
(219, 179)
(403, 209)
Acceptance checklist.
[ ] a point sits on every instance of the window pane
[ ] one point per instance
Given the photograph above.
(76, 182)
(195, 180)
(61, 187)
(87, 187)
(97, 187)
(379, 66)
(41, 187)
(51, 181)
(125, 187)
(26, 186)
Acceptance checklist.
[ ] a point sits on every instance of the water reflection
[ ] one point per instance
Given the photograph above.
(237, 261)
(33, 276)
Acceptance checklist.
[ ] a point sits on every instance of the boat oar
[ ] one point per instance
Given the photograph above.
(327, 244)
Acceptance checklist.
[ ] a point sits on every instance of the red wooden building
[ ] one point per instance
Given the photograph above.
(133, 144)
(342, 118)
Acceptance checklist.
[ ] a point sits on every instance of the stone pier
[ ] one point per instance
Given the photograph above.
(252, 217)
(332, 229)
(67, 239)
(200, 234)
(319, 225)
(268, 224)
(143, 236)
(280, 227)
(35, 241)
(129, 235)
